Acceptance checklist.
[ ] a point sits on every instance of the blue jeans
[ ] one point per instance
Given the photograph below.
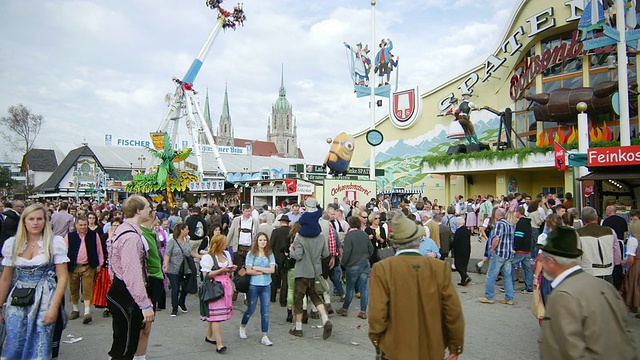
(178, 292)
(357, 274)
(336, 278)
(503, 265)
(255, 292)
(535, 232)
(527, 268)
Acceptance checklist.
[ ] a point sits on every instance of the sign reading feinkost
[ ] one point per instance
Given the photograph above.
(613, 156)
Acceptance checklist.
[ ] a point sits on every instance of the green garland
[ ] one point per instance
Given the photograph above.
(510, 154)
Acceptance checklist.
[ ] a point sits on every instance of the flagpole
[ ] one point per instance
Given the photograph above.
(372, 101)
(623, 81)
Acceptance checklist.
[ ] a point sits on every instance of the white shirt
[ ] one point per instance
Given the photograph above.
(407, 251)
(560, 278)
(244, 238)
(632, 246)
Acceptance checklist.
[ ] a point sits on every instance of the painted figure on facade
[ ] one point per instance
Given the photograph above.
(383, 61)
(462, 114)
(361, 64)
(340, 154)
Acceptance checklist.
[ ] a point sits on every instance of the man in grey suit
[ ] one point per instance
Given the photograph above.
(585, 317)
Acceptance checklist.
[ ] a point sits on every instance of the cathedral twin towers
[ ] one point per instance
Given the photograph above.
(281, 126)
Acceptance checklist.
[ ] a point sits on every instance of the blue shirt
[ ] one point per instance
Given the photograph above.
(428, 246)
(260, 261)
(504, 231)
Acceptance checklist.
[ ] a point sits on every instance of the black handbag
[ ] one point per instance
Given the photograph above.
(242, 280)
(23, 297)
(211, 290)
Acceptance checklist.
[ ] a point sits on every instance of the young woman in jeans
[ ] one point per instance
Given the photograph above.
(177, 248)
(260, 264)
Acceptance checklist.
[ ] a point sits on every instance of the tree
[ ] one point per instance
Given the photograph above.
(6, 182)
(24, 128)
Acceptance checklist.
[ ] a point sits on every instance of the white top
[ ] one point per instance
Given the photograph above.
(206, 263)
(59, 253)
(632, 246)
(245, 238)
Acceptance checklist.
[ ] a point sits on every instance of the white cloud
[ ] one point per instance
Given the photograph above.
(94, 67)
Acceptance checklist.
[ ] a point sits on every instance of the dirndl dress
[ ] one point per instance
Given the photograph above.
(221, 309)
(27, 337)
(101, 286)
(631, 285)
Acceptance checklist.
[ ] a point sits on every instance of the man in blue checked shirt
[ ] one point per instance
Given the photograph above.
(502, 240)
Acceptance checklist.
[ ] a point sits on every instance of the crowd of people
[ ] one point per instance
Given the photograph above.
(126, 258)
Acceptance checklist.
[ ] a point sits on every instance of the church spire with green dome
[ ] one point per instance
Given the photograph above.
(281, 126)
(282, 103)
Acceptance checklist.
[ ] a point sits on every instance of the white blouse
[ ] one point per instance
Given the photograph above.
(206, 263)
(59, 253)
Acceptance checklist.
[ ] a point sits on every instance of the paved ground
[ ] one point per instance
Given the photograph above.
(492, 332)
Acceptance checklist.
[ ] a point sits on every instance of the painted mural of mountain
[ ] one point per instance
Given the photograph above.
(424, 144)
(401, 158)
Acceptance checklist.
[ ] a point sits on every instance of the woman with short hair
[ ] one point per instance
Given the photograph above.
(357, 250)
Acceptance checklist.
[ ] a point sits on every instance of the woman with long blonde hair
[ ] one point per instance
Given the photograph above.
(33, 258)
(216, 265)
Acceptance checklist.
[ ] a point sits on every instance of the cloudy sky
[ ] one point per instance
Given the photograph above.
(97, 67)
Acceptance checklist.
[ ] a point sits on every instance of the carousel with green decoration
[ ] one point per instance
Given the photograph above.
(162, 181)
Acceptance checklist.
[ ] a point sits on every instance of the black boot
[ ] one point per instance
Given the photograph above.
(305, 317)
(289, 316)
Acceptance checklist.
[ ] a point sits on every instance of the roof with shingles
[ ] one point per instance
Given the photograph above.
(70, 160)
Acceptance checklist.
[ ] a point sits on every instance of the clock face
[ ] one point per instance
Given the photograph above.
(374, 137)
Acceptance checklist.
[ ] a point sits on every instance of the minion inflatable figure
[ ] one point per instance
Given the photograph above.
(340, 154)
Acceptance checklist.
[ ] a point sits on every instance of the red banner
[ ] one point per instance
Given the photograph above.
(560, 157)
(292, 186)
(614, 156)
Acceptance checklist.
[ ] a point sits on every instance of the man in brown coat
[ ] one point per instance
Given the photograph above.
(414, 310)
(585, 317)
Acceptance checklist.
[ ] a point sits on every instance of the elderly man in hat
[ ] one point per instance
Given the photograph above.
(414, 310)
(585, 317)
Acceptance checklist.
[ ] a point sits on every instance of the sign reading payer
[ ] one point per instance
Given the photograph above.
(614, 156)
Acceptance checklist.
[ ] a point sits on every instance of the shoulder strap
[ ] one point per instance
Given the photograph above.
(122, 233)
(215, 261)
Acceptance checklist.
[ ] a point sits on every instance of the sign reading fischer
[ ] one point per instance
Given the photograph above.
(614, 156)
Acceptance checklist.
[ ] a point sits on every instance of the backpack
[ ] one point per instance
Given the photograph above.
(199, 231)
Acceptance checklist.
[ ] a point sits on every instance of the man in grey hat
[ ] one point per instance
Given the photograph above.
(413, 294)
(585, 317)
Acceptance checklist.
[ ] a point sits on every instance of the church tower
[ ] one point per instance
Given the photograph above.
(225, 130)
(281, 126)
(207, 117)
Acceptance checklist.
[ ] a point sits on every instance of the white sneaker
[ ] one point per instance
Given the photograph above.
(242, 333)
(265, 341)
